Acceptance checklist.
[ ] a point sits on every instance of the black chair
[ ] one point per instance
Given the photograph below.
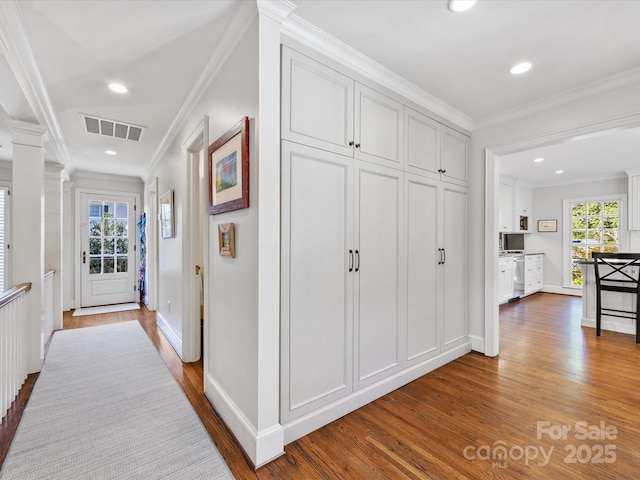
(621, 273)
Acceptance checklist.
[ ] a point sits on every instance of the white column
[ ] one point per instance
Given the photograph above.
(270, 438)
(27, 218)
(53, 227)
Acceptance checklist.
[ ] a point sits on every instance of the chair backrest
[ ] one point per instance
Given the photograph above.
(617, 272)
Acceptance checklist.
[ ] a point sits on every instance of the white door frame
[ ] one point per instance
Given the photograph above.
(492, 172)
(78, 232)
(151, 265)
(197, 141)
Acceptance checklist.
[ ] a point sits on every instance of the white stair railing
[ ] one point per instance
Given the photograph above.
(13, 365)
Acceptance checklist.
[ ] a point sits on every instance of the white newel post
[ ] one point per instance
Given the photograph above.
(27, 243)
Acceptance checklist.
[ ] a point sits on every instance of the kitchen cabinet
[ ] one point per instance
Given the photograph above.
(506, 274)
(435, 150)
(328, 110)
(634, 200)
(506, 215)
(523, 220)
(533, 277)
(515, 211)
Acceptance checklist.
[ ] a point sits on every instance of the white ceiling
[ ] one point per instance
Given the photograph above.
(160, 48)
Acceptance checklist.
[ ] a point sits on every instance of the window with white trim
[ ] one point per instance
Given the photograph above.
(595, 227)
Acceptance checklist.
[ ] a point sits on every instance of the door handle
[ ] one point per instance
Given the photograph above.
(439, 256)
(444, 255)
(351, 260)
(84, 257)
(357, 260)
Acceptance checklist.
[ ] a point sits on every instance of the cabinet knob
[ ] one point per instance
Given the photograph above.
(351, 144)
(357, 145)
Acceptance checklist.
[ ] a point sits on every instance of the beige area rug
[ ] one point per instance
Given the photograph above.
(105, 406)
(120, 307)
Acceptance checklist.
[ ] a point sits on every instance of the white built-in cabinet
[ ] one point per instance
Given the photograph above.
(374, 241)
(435, 150)
(325, 109)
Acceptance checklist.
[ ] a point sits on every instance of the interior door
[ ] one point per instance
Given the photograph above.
(108, 266)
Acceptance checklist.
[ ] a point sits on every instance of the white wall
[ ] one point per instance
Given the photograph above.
(585, 113)
(231, 363)
(548, 204)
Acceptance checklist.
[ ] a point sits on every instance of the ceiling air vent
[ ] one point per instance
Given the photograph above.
(112, 128)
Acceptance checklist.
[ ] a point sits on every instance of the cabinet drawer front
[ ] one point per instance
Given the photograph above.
(317, 104)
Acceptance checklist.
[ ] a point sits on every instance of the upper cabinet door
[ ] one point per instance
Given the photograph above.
(378, 126)
(317, 104)
(455, 149)
(422, 144)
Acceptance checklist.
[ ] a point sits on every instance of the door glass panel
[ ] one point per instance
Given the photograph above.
(95, 265)
(108, 236)
(109, 265)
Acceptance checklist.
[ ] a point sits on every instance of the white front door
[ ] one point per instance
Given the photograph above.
(108, 266)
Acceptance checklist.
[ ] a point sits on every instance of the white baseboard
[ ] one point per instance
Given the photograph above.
(610, 325)
(305, 424)
(170, 333)
(576, 292)
(261, 447)
(477, 343)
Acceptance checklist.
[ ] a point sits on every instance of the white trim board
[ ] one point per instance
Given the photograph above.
(120, 307)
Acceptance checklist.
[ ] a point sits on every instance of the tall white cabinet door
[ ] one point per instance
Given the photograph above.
(455, 272)
(378, 240)
(421, 211)
(378, 128)
(317, 104)
(455, 148)
(317, 287)
(422, 144)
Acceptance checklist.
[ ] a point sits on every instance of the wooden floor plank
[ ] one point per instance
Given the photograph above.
(549, 369)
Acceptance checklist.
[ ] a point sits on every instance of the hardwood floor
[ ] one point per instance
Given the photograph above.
(452, 422)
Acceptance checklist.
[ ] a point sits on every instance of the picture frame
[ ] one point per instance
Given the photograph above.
(229, 170)
(547, 225)
(167, 224)
(227, 240)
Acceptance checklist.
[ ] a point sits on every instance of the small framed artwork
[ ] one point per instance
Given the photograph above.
(227, 240)
(229, 170)
(166, 215)
(547, 225)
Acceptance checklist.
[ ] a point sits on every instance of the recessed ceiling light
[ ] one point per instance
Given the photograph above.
(559, 171)
(538, 160)
(458, 6)
(118, 87)
(110, 152)
(520, 68)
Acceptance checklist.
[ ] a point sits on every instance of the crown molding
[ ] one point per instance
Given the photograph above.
(232, 36)
(21, 59)
(277, 10)
(584, 91)
(311, 36)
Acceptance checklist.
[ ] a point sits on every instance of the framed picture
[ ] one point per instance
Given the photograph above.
(229, 170)
(166, 215)
(227, 240)
(547, 225)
